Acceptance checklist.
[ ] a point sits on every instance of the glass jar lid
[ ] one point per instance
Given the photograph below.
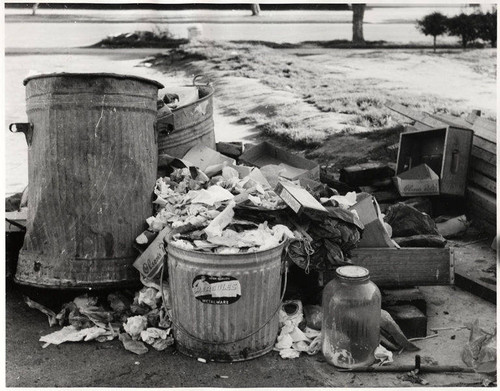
(353, 272)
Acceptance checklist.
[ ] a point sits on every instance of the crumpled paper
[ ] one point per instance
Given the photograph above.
(159, 339)
(134, 326)
(345, 202)
(51, 315)
(133, 346)
(480, 352)
(221, 221)
(211, 195)
(149, 296)
(292, 340)
(72, 334)
(383, 355)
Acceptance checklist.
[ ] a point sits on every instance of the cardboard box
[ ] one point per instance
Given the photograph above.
(418, 181)
(150, 261)
(295, 167)
(297, 198)
(374, 234)
(206, 158)
(446, 151)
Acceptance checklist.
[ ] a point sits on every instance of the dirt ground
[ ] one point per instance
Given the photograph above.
(108, 364)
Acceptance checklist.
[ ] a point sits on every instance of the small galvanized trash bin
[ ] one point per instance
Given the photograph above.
(225, 306)
(92, 162)
(188, 125)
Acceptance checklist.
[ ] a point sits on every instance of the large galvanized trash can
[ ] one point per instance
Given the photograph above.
(225, 307)
(92, 162)
(188, 125)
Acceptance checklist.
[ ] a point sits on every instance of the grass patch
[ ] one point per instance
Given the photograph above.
(363, 125)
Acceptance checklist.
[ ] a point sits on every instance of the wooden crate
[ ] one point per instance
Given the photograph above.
(405, 267)
(446, 150)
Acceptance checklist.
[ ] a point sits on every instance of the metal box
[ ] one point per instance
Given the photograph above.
(445, 150)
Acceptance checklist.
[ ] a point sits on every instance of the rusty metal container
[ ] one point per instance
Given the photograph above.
(92, 162)
(225, 307)
(188, 125)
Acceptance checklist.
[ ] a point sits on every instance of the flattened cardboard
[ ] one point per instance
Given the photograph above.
(295, 166)
(204, 157)
(418, 181)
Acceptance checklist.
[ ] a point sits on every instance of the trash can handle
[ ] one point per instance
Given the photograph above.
(24, 127)
(284, 269)
(207, 81)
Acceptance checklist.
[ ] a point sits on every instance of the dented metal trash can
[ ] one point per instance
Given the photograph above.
(92, 163)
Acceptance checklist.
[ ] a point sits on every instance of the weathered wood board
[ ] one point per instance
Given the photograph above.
(407, 266)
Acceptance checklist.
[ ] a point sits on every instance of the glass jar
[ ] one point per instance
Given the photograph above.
(351, 318)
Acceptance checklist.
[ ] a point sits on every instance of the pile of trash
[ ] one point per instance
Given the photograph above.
(137, 322)
(200, 210)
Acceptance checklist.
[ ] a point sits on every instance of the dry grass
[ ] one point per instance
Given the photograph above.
(322, 92)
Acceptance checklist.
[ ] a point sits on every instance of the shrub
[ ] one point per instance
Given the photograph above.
(465, 27)
(487, 28)
(434, 24)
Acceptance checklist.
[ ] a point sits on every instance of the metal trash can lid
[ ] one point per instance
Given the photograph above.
(92, 75)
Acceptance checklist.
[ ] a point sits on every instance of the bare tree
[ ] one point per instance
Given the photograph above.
(255, 9)
(358, 13)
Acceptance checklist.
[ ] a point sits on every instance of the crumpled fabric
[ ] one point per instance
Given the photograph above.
(405, 220)
(333, 236)
(292, 340)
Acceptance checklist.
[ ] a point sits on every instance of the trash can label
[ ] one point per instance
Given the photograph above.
(216, 289)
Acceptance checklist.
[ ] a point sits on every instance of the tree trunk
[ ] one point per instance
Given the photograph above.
(464, 42)
(358, 12)
(35, 7)
(255, 9)
(434, 44)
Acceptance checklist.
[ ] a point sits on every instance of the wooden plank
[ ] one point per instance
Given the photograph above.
(452, 120)
(484, 155)
(479, 218)
(456, 157)
(483, 167)
(406, 267)
(423, 118)
(485, 128)
(484, 225)
(483, 181)
(476, 287)
(475, 278)
(484, 144)
(481, 198)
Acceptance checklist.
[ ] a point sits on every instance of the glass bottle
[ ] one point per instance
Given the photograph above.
(351, 318)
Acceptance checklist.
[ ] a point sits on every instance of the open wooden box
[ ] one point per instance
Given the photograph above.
(445, 150)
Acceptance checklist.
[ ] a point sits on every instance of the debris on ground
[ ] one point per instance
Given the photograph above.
(480, 352)
(50, 314)
(292, 340)
(208, 202)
